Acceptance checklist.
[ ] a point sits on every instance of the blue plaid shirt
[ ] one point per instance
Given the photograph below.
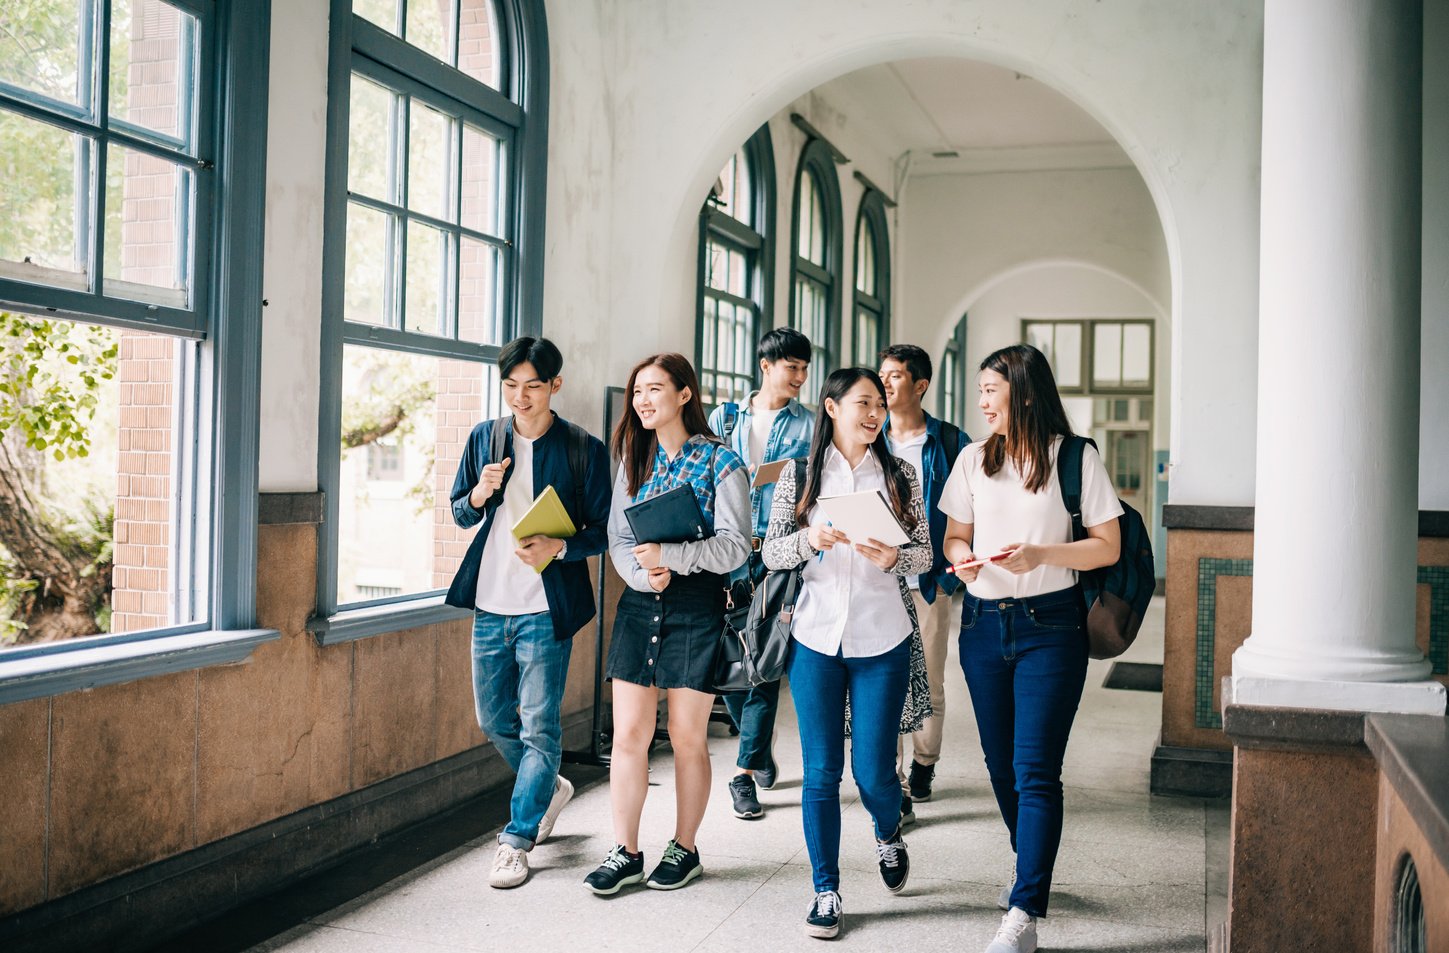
(702, 463)
(789, 438)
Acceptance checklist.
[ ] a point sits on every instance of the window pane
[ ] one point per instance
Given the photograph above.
(716, 266)
(739, 283)
(40, 48)
(371, 141)
(480, 180)
(43, 214)
(152, 62)
(479, 317)
(1107, 355)
(1067, 363)
(1136, 355)
(867, 338)
(478, 48)
(148, 213)
(865, 258)
(430, 27)
(812, 314)
(808, 209)
(381, 12)
(427, 278)
(394, 399)
(430, 162)
(109, 486)
(371, 263)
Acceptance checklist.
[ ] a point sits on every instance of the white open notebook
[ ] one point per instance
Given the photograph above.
(864, 516)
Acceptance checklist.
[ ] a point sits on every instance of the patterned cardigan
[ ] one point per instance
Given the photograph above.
(787, 545)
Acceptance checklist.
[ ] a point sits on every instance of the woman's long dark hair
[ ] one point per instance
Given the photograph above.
(1033, 417)
(633, 444)
(837, 385)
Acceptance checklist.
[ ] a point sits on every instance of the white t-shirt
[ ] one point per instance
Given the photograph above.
(505, 585)
(761, 423)
(912, 450)
(1003, 512)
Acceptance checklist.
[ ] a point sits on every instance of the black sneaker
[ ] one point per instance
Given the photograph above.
(825, 915)
(908, 812)
(921, 777)
(767, 776)
(742, 793)
(619, 869)
(895, 866)
(677, 868)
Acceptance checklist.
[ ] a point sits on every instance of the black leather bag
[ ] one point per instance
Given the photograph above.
(755, 641)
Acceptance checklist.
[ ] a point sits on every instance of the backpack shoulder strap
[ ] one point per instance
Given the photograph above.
(578, 451)
(731, 420)
(1069, 477)
(499, 444)
(951, 440)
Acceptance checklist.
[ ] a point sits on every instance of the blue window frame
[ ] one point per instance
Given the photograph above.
(145, 225)
(872, 279)
(815, 286)
(735, 271)
(432, 260)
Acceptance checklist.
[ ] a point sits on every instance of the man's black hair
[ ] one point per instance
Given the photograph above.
(916, 360)
(782, 343)
(540, 352)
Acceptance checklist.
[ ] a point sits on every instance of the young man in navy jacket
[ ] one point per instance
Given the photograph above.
(529, 596)
(931, 446)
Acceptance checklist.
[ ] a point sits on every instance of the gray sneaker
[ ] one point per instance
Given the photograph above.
(1017, 933)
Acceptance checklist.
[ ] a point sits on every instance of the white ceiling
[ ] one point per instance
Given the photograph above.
(937, 105)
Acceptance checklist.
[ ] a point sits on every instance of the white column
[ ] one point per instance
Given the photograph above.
(1336, 523)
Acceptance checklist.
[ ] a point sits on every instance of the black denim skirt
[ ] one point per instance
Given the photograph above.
(668, 639)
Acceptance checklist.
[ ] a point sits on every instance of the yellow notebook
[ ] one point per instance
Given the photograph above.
(546, 517)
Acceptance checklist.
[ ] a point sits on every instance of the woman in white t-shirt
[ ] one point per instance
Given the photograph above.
(1023, 641)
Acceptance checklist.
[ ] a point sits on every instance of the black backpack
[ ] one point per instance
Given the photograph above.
(1117, 595)
(578, 451)
(952, 440)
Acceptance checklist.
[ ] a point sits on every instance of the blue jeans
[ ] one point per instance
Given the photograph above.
(519, 671)
(754, 710)
(1026, 662)
(877, 686)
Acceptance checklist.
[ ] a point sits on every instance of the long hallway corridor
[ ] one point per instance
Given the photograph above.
(1135, 873)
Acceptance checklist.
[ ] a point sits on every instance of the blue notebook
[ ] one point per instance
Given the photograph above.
(673, 516)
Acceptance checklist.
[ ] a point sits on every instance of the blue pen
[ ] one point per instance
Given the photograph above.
(821, 555)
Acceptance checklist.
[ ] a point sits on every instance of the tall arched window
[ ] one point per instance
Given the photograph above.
(952, 377)
(432, 260)
(734, 271)
(872, 279)
(815, 291)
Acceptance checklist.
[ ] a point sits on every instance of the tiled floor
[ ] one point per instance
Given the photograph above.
(1135, 873)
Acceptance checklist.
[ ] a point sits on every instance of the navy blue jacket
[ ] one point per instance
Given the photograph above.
(933, 481)
(566, 583)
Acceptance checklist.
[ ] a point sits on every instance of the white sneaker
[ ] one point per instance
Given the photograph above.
(1017, 933)
(561, 794)
(510, 867)
(1003, 902)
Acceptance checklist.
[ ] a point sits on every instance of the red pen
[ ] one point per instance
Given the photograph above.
(973, 563)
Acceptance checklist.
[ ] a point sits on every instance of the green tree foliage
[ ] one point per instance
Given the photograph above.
(55, 566)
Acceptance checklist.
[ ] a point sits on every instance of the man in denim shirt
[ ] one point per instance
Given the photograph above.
(770, 426)
(529, 596)
(931, 446)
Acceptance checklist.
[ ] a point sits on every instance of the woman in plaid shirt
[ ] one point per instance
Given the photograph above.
(667, 625)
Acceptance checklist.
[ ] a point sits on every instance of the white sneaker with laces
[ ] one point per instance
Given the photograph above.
(1017, 933)
(562, 792)
(510, 867)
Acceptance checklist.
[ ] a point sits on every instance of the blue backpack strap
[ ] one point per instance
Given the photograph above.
(730, 422)
(1069, 477)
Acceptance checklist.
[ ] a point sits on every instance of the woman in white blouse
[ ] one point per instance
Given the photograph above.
(854, 630)
(1023, 643)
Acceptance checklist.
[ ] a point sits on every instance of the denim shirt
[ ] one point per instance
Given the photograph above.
(789, 438)
(566, 581)
(933, 481)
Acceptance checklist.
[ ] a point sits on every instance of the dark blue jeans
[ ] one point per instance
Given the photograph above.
(1025, 662)
(754, 711)
(877, 694)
